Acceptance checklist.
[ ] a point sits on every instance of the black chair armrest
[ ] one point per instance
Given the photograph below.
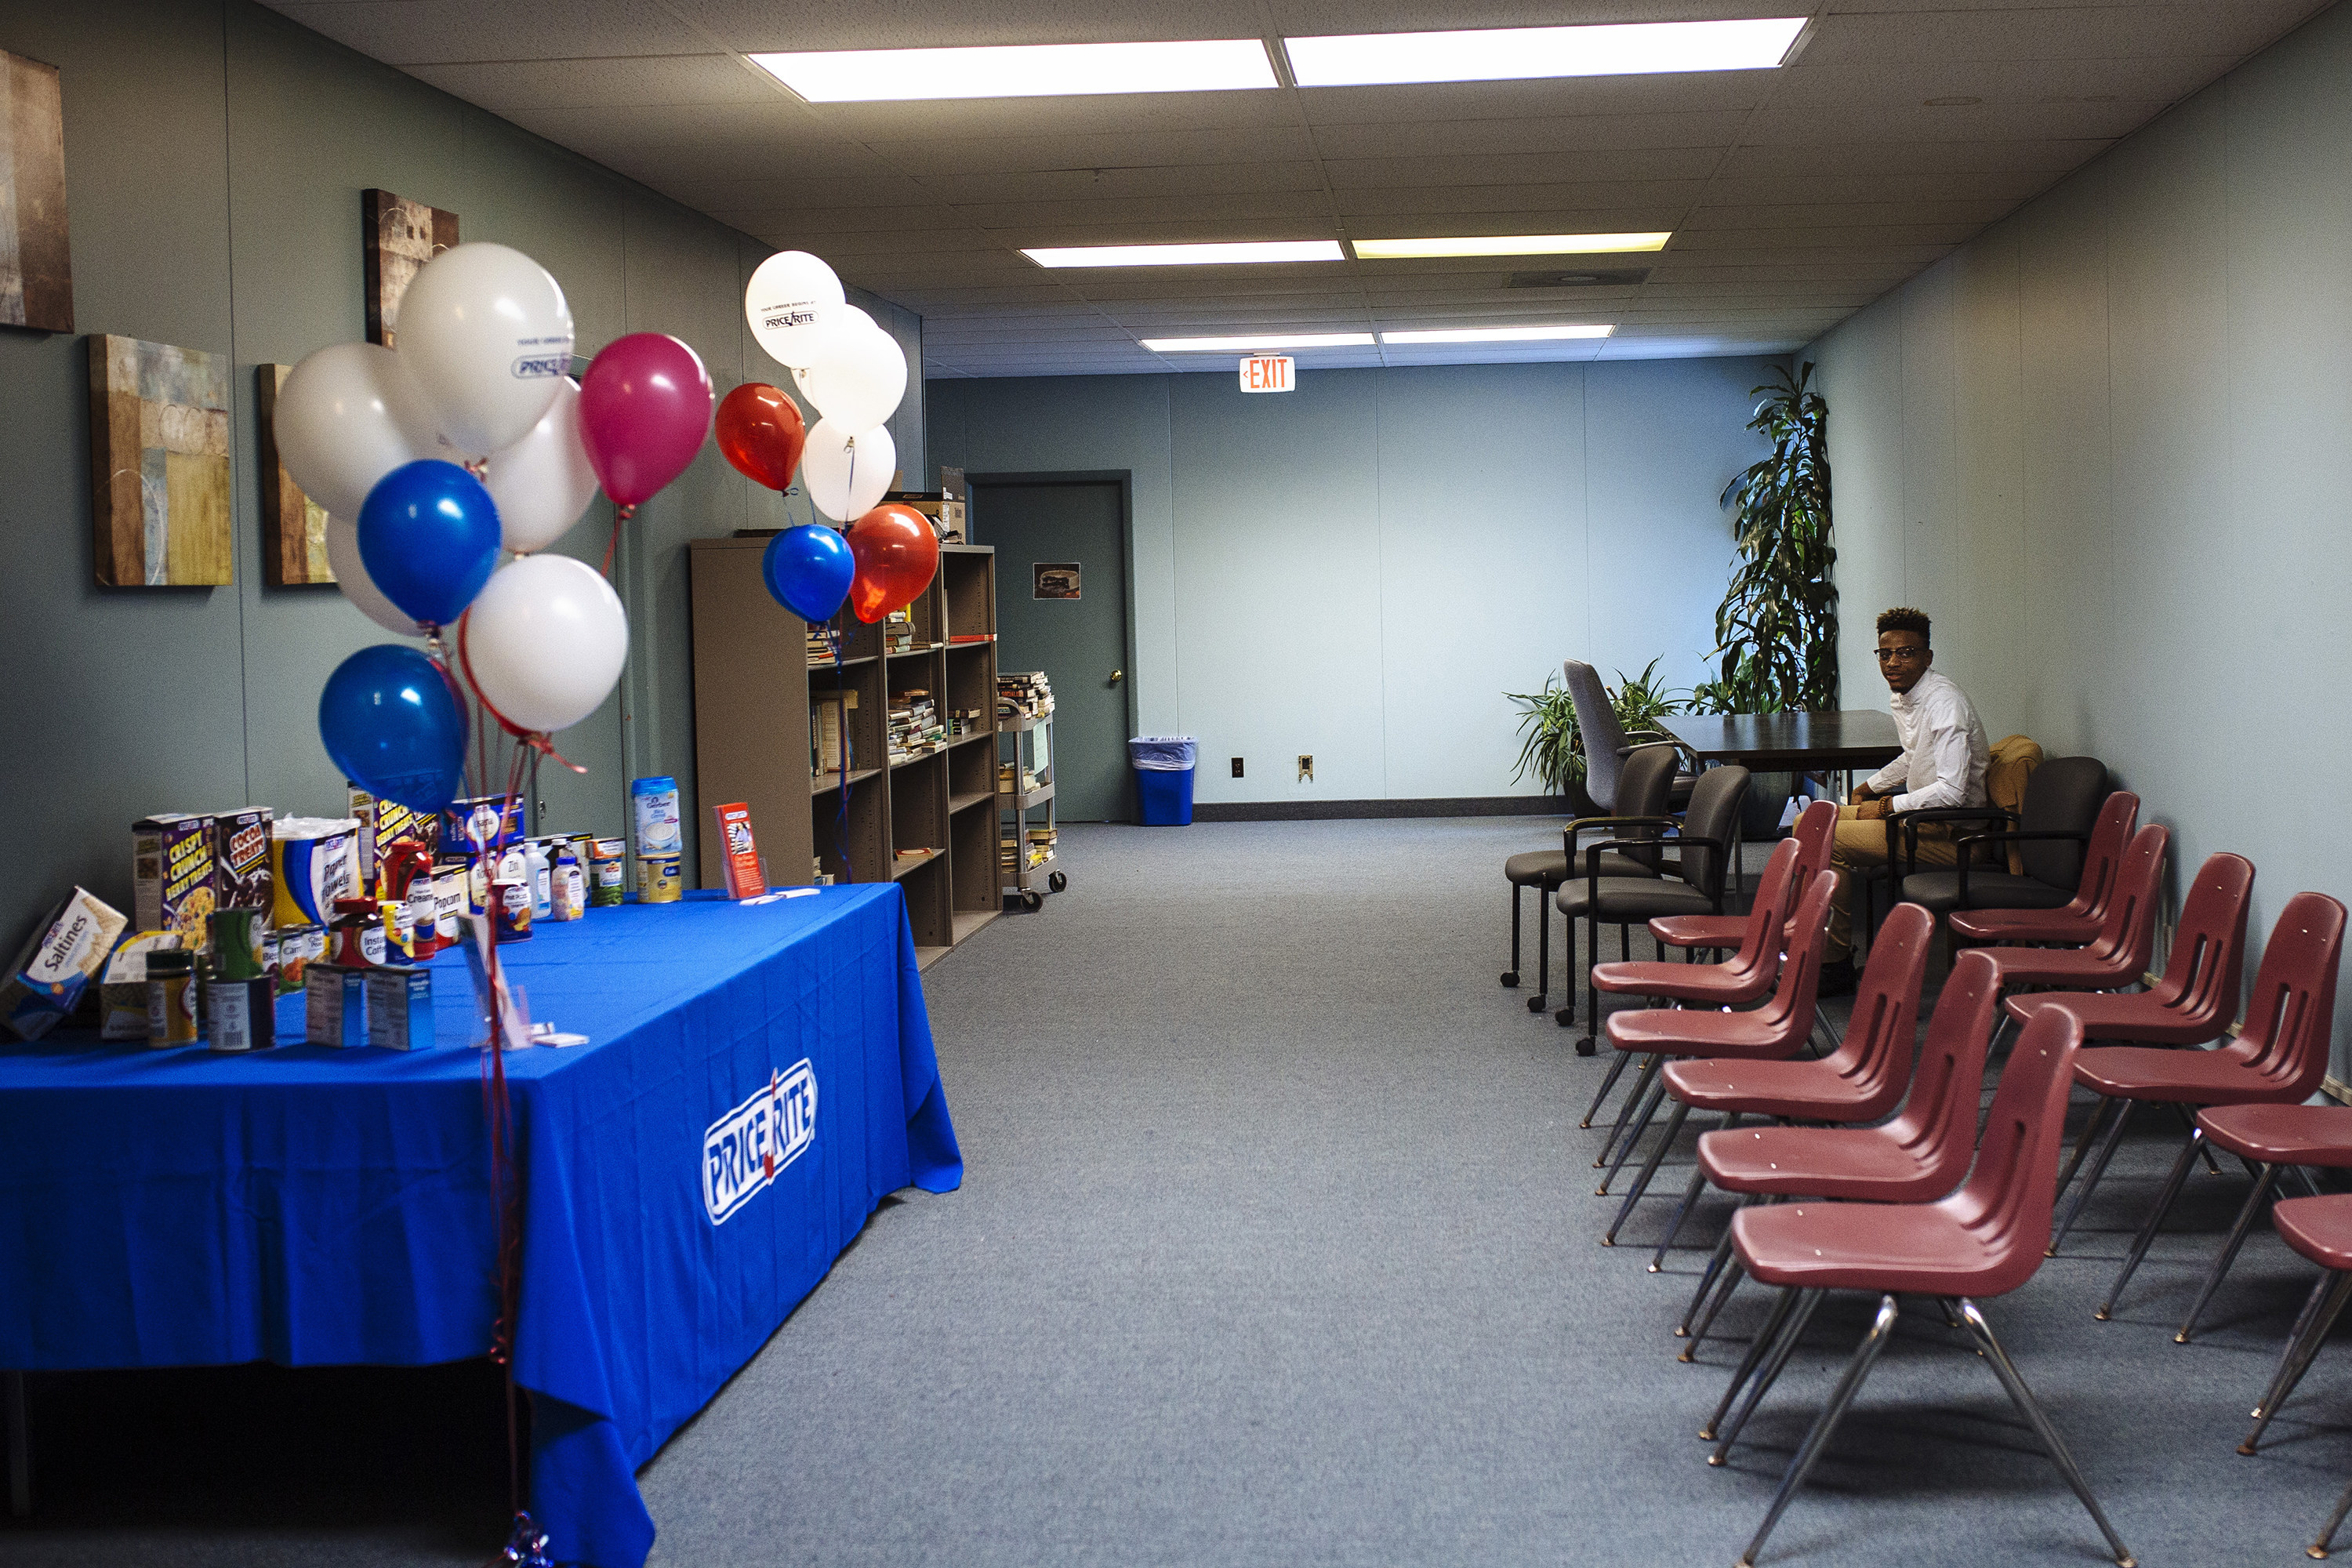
(1906, 822)
(1962, 848)
(1592, 867)
(1568, 833)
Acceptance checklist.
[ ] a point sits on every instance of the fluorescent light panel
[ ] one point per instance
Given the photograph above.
(1217, 254)
(1020, 70)
(1495, 335)
(1510, 54)
(1512, 245)
(1263, 341)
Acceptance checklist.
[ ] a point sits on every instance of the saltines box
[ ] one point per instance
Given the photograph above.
(66, 950)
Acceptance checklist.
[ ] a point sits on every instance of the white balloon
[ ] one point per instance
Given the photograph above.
(858, 377)
(545, 641)
(346, 417)
(544, 481)
(484, 330)
(847, 473)
(351, 576)
(786, 303)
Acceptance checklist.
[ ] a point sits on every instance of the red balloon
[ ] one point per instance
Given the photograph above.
(762, 433)
(896, 555)
(645, 406)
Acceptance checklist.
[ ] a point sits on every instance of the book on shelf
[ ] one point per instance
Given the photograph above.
(829, 726)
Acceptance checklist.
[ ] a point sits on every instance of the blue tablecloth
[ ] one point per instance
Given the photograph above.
(310, 1206)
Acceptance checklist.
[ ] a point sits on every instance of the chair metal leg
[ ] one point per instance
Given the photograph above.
(1690, 1196)
(1769, 1373)
(2312, 1305)
(1641, 1125)
(1625, 1106)
(1625, 944)
(1543, 951)
(2299, 1359)
(2164, 1199)
(1767, 1335)
(1882, 1329)
(1733, 1273)
(2106, 1151)
(2319, 1548)
(1649, 1168)
(1511, 975)
(1608, 1082)
(2089, 1135)
(2229, 1253)
(2023, 1397)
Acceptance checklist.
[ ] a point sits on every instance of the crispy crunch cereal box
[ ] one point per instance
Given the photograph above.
(173, 876)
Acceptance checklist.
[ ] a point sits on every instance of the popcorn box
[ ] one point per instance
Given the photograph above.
(50, 976)
(400, 1008)
(334, 1004)
(173, 875)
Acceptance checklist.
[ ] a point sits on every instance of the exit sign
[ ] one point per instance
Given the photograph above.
(1269, 373)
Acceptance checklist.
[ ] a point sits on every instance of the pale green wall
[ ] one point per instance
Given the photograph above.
(2108, 447)
(1361, 568)
(214, 156)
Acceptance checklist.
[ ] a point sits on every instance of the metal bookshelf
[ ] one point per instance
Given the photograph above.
(753, 682)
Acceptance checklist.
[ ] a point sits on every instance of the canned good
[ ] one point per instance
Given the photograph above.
(656, 803)
(512, 902)
(657, 879)
(237, 943)
(240, 1015)
(607, 872)
(171, 996)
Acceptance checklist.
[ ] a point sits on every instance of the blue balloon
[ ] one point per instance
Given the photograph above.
(391, 722)
(809, 570)
(430, 537)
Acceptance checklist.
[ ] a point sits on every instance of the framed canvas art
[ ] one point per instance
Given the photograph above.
(36, 259)
(159, 464)
(293, 526)
(401, 236)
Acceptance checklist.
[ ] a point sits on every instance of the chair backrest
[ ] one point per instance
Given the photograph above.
(1790, 1012)
(2007, 1197)
(1646, 787)
(1815, 837)
(2290, 1017)
(1712, 813)
(2206, 969)
(1875, 1055)
(1596, 721)
(1762, 938)
(1937, 1126)
(2128, 936)
(2062, 796)
(2102, 858)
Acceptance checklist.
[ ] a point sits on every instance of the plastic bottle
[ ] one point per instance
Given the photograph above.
(570, 887)
(543, 879)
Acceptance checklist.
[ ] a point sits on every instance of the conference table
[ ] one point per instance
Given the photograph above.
(1792, 743)
(756, 1079)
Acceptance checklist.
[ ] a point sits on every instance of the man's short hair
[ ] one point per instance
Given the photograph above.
(1904, 618)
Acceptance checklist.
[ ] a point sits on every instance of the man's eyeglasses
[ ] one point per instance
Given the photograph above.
(1889, 655)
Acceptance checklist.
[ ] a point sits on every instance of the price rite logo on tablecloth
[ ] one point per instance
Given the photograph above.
(749, 1147)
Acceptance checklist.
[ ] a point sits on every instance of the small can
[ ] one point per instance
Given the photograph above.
(172, 997)
(656, 803)
(240, 1015)
(299, 947)
(512, 902)
(657, 879)
(238, 935)
(607, 872)
(399, 933)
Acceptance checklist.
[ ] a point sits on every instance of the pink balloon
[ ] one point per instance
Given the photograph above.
(645, 406)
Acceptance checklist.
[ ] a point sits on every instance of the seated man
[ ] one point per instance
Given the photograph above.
(1943, 764)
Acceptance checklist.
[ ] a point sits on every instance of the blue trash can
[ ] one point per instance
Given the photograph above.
(1163, 777)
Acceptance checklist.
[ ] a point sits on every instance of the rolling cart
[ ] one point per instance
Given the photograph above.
(1031, 754)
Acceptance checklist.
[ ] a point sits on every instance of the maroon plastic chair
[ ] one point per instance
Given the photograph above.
(2118, 955)
(1919, 1157)
(2320, 1228)
(1986, 1239)
(2276, 1064)
(1860, 1081)
(1739, 979)
(2079, 922)
(1779, 1028)
(1814, 836)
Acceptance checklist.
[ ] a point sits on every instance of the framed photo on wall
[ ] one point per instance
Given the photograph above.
(400, 236)
(159, 464)
(35, 258)
(293, 526)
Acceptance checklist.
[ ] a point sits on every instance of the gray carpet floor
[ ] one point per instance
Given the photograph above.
(1277, 1244)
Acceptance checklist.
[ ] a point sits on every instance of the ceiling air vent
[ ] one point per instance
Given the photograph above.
(1613, 277)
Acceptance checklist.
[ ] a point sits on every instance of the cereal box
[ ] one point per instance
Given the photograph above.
(241, 873)
(174, 872)
(48, 976)
(385, 823)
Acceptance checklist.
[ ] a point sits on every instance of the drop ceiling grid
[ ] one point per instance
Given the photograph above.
(1902, 128)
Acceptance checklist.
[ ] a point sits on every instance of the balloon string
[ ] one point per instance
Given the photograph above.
(841, 817)
(506, 1182)
(622, 512)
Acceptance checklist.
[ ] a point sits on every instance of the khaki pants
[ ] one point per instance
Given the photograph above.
(1861, 845)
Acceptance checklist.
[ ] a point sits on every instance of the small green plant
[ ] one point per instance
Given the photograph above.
(1776, 633)
(1551, 745)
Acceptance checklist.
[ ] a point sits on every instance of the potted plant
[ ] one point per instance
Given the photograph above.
(1775, 631)
(1552, 748)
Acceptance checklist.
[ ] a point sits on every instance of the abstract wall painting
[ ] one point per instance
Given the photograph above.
(293, 526)
(159, 464)
(36, 259)
(401, 237)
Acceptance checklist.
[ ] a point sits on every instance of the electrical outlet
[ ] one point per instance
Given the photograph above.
(1237, 767)
(1306, 768)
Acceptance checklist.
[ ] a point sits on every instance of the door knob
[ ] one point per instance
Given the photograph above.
(1116, 676)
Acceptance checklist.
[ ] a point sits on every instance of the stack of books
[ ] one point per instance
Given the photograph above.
(1024, 696)
(914, 726)
(827, 719)
(963, 721)
(1013, 856)
(1006, 782)
(899, 632)
(820, 645)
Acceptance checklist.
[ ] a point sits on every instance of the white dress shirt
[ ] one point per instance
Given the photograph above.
(1944, 752)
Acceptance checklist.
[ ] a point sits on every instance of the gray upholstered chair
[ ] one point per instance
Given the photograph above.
(1606, 742)
(2054, 821)
(1643, 783)
(1691, 883)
